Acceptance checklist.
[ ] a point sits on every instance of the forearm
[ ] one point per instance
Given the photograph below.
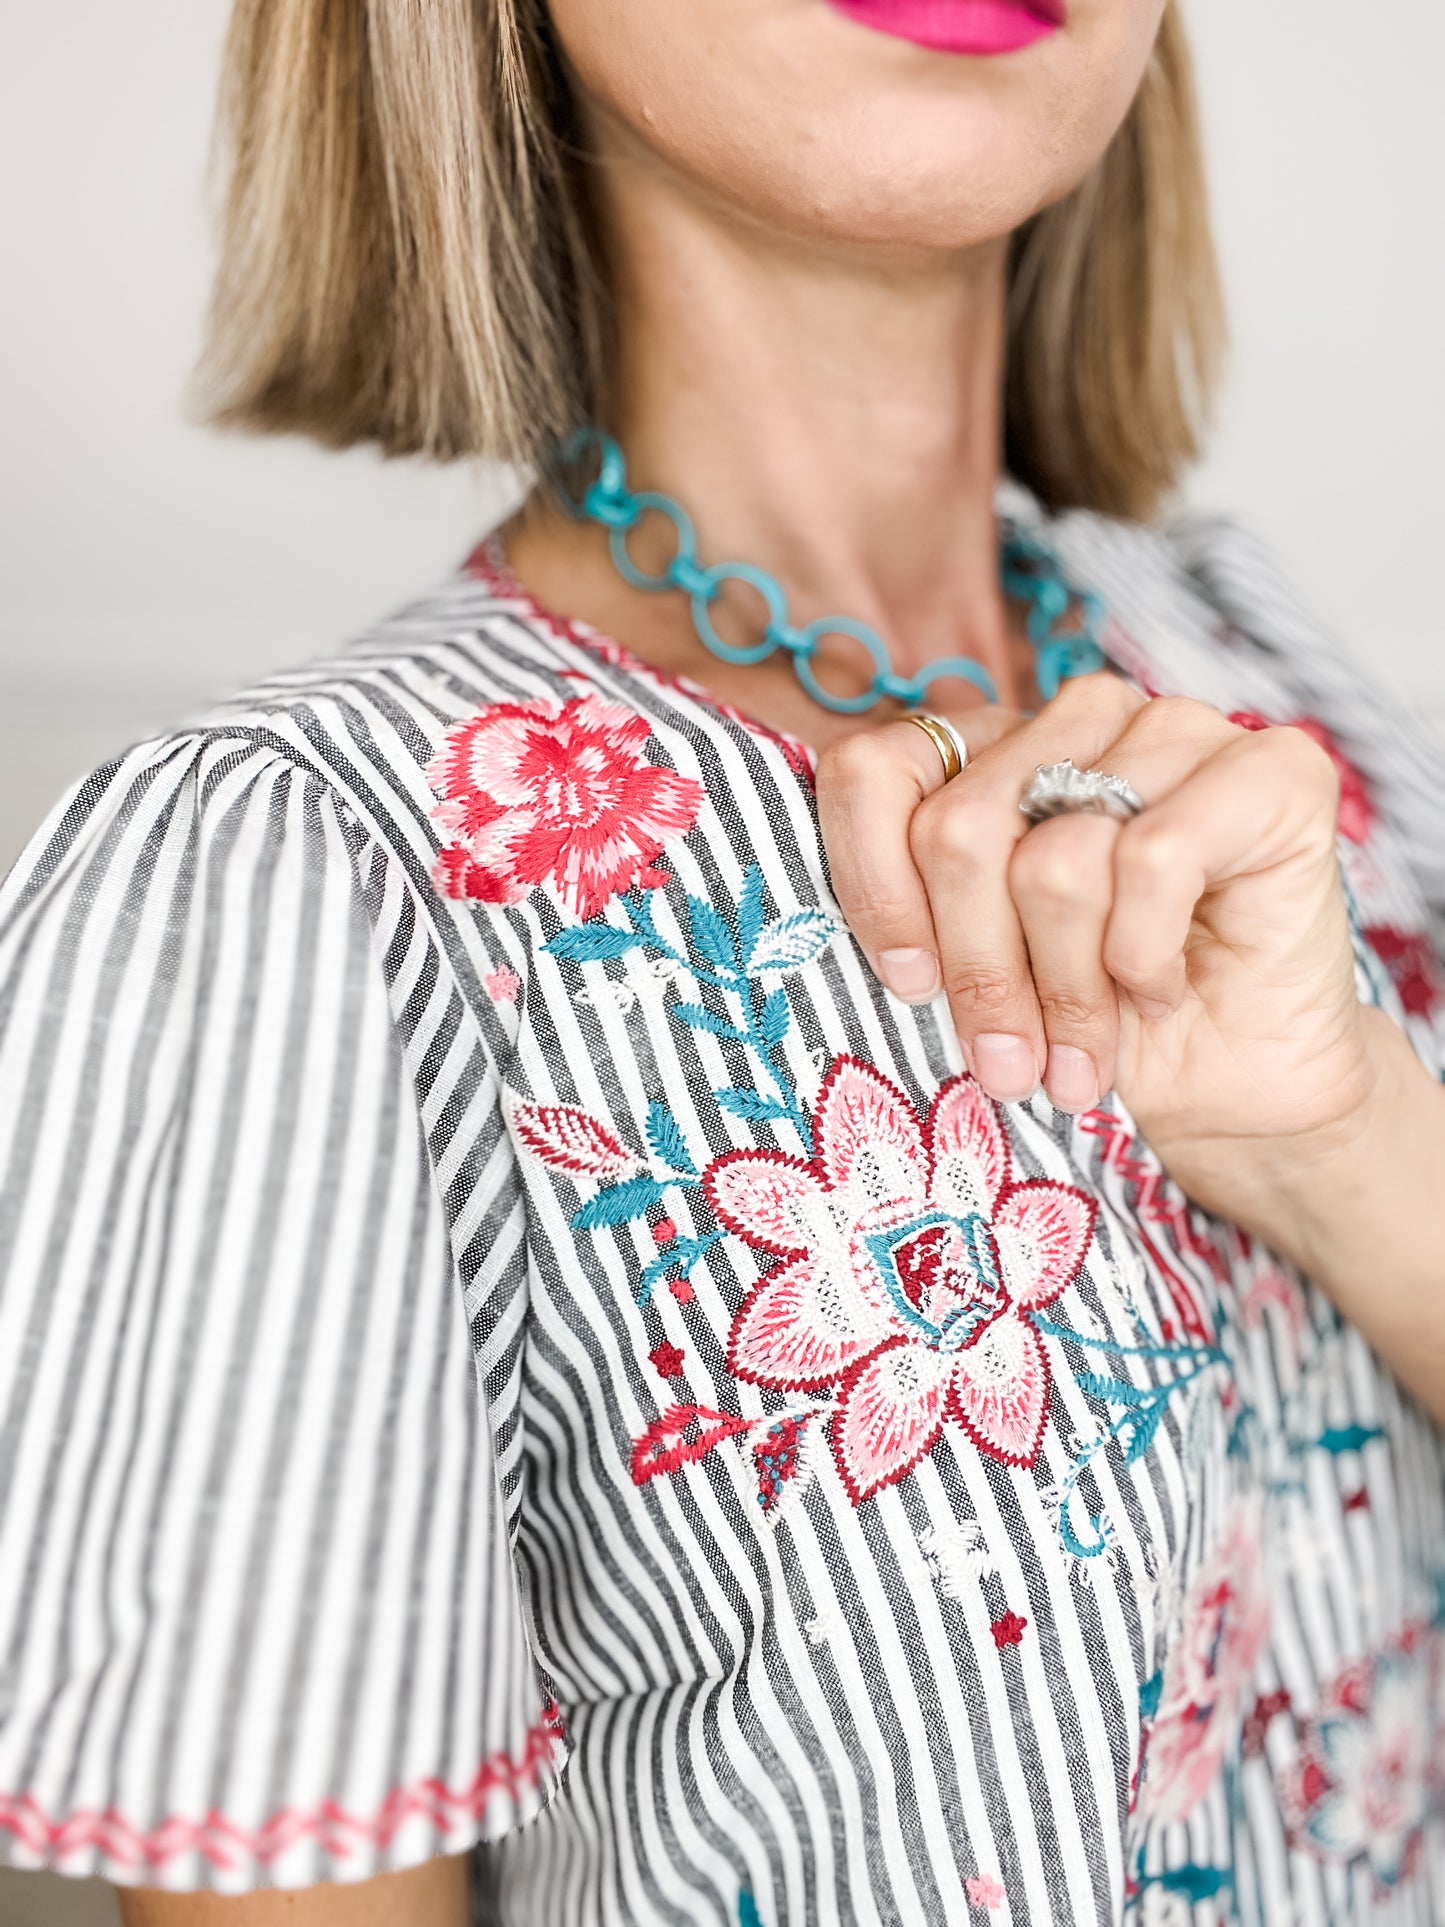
(1361, 1209)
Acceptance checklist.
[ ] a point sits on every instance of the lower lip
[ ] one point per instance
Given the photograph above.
(955, 26)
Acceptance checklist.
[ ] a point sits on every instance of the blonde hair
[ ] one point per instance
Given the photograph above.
(407, 256)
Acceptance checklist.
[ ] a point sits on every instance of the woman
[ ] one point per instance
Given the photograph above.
(515, 1333)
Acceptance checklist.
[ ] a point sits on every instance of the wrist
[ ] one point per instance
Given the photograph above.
(1326, 1198)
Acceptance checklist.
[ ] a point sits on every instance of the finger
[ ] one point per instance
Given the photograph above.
(1062, 883)
(869, 786)
(963, 841)
(1163, 747)
(1259, 799)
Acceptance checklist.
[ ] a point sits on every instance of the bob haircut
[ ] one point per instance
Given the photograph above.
(408, 257)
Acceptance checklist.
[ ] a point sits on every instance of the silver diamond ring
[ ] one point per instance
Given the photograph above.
(1058, 789)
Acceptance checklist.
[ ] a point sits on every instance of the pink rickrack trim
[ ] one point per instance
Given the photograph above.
(226, 1845)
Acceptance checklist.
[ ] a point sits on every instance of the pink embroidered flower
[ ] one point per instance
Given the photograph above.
(1208, 1671)
(910, 1262)
(1360, 1788)
(985, 1890)
(531, 795)
(682, 1291)
(502, 986)
(665, 1231)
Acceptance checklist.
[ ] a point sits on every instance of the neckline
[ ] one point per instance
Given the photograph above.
(488, 564)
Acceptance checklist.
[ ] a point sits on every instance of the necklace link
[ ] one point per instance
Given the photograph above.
(1030, 573)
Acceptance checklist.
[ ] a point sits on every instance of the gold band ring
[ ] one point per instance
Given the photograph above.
(946, 739)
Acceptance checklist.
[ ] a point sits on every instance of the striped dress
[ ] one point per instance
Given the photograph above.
(509, 1338)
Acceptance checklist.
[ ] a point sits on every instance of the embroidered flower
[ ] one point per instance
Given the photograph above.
(957, 1557)
(531, 795)
(1412, 965)
(985, 1890)
(1360, 1788)
(667, 1359)
(1009, 1630)
(502, 986)
(910, 1263)
(1225, 1624)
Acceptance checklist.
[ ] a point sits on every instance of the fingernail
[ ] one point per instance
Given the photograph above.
(1005, 1066)
(910, 974)
(1071, 1080)
(1151, 1007)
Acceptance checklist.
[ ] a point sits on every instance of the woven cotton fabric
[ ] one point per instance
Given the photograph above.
(509, 1337)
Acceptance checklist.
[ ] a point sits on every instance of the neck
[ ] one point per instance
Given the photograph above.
(836, 421)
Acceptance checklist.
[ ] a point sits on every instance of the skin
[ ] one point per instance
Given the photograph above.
(806, 225)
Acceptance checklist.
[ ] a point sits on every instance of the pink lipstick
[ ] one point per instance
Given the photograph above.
(960, 26)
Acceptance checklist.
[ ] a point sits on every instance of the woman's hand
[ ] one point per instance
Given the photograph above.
(1198, 956)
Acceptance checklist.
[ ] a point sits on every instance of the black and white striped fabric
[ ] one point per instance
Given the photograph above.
(509, 1336)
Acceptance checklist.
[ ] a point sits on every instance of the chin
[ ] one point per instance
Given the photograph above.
(793, 115)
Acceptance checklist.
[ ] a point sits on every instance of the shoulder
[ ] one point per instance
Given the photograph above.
(353, 731)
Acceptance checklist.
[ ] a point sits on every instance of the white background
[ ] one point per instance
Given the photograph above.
(145, 562)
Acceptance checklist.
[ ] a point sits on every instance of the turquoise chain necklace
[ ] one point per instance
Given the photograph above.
(1030, 574)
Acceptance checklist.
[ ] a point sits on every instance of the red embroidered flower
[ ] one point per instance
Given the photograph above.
(1412, 965)
(1009, 1630)
(1357, 810)
(911, 1259)
(531, 795)
(1206, 1675)
(665, 1231)
(668, 1359)
(682, 1291)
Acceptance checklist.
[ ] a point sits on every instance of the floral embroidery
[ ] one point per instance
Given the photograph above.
(985, 1890)
(502, 986)
(683, 1435)
(531, 795)
(1266, 1710)
(1009, 1630)
(667, 1359)
(911, 1260)
(1225, 1624)
(1361, 1786)
(956, 1557)
(1411, 962)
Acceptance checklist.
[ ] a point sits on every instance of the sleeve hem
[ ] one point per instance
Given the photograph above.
(296, 1846)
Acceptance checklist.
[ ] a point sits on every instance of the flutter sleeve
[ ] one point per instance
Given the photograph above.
(259, 1619)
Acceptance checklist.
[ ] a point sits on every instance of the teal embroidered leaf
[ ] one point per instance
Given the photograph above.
(1150, 1694)
(777, 1018)
(748, 1915)
(1114, 1390)
(794, 941)
(1194, 1882)
(751, 912)
(1347, 1438)
(618, 1204)
(696, 1018)
(711, 935)
(666, 1140)
(1142, 1424)
(591, 942)
(752, 1105)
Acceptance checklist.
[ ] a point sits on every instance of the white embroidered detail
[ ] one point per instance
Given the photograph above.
(957, 1557)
